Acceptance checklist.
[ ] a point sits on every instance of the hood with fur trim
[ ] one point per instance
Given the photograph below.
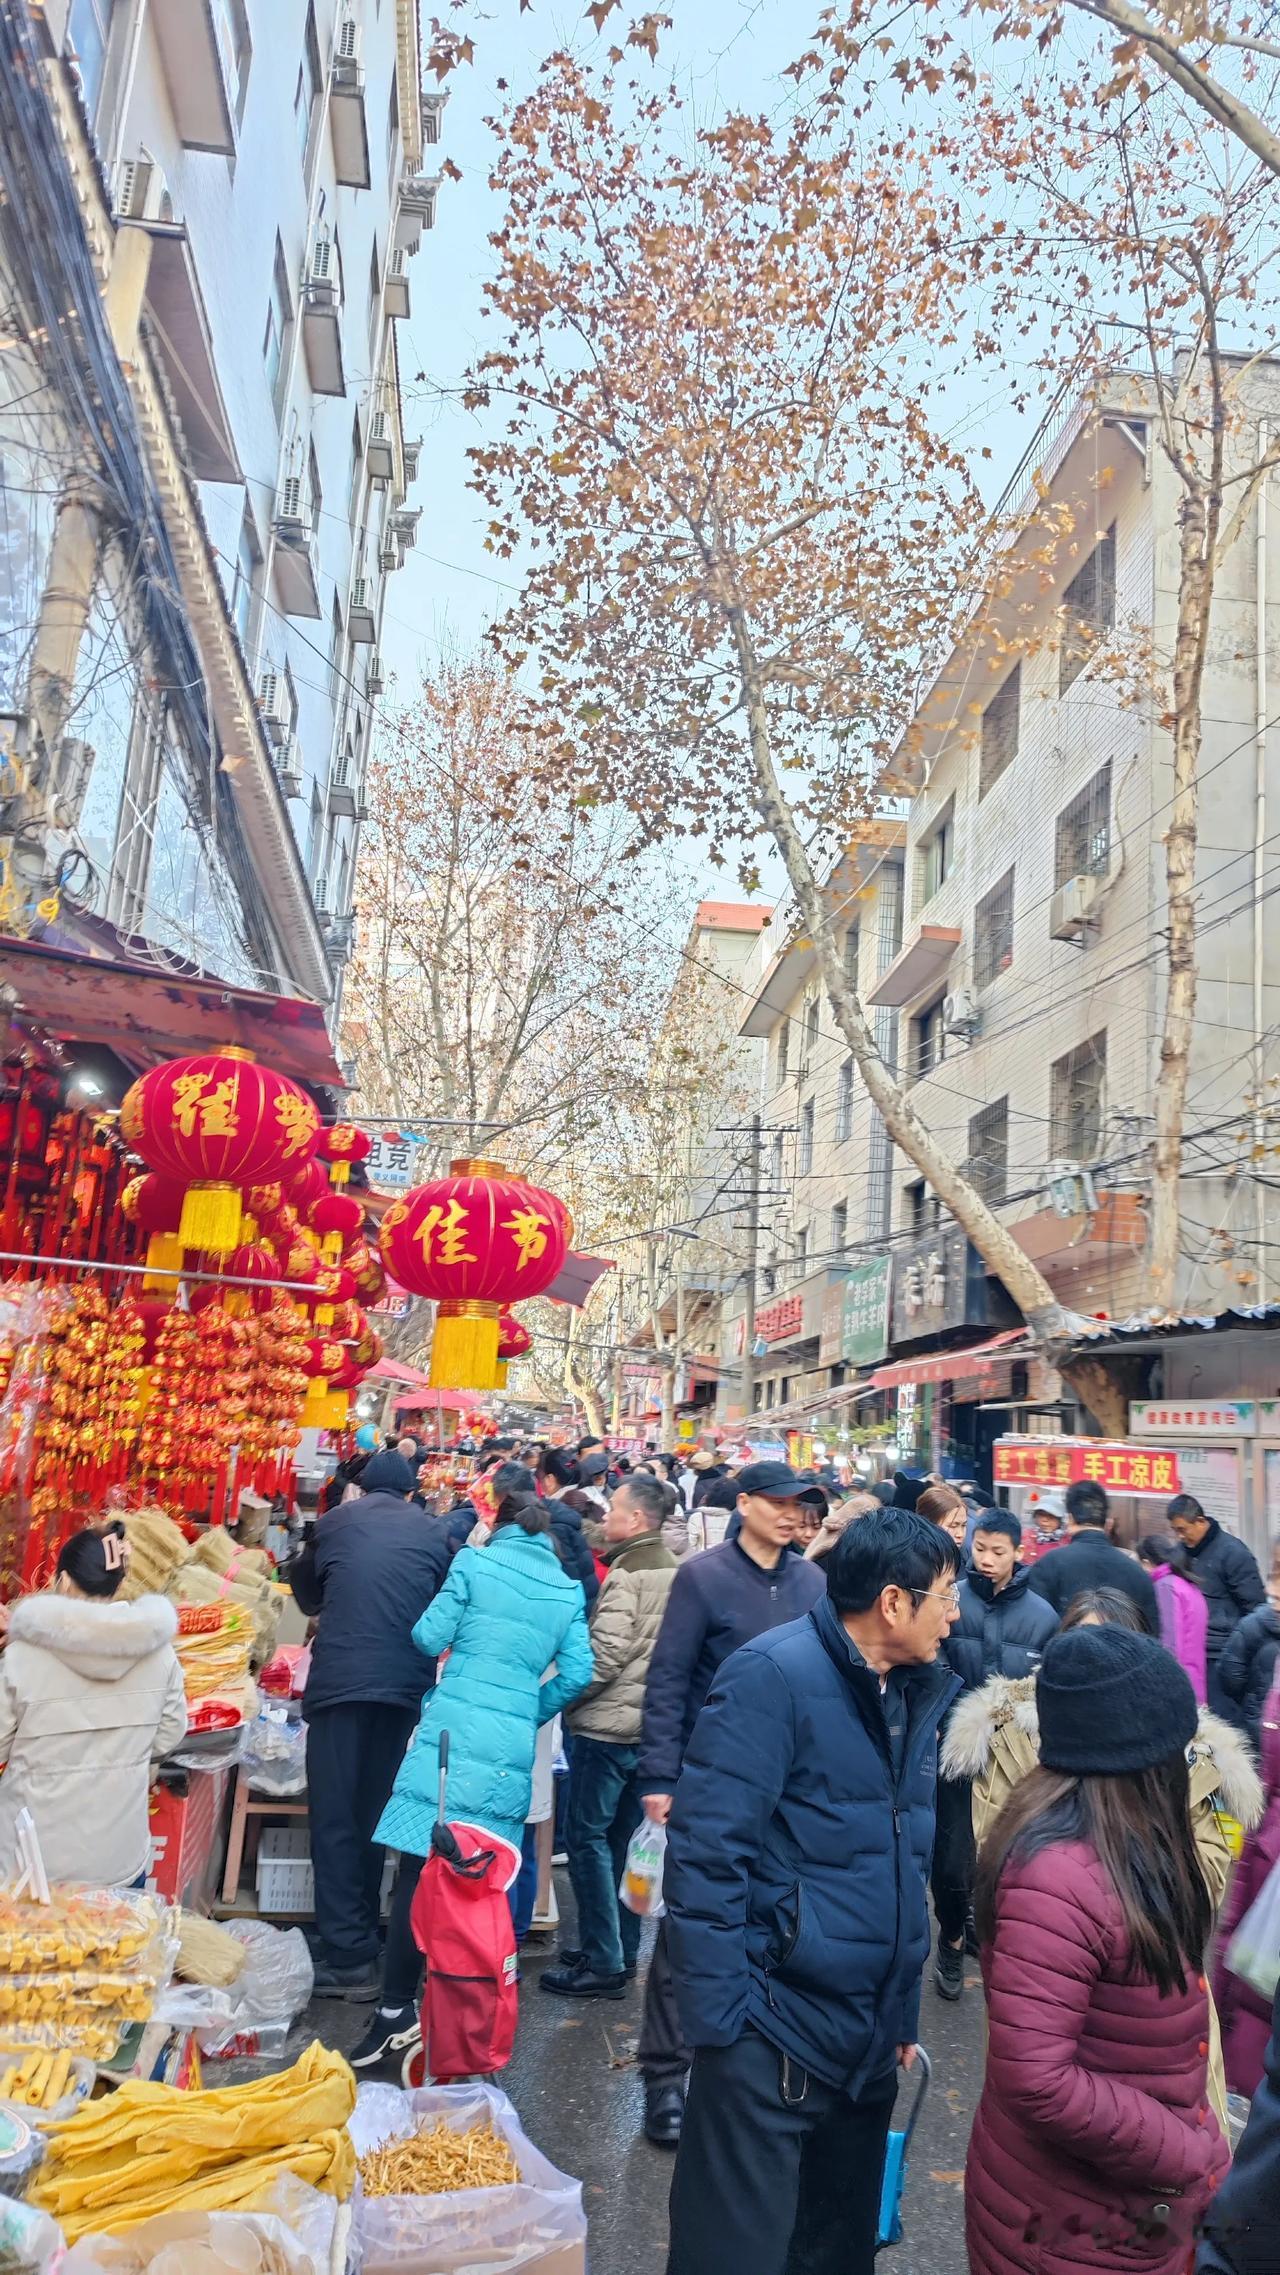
(1218, 1756)
(100, 1640)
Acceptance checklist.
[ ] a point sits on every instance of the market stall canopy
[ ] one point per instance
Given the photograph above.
(577, 1276)
(145, 1016)
(969, 1361)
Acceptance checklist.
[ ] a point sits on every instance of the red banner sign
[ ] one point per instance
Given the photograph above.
(1065, 1461)
(777, 1320)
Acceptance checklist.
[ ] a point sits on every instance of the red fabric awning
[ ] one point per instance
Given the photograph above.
(950, 1366)
(398, 1370)
(145, 1016)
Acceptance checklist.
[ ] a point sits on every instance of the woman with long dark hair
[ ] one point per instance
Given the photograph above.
(1094, 2146)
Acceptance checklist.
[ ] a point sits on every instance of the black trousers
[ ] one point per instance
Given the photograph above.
(776, 2173)
(954, 1857)
(353, 1753)
(402, 1960)
(661, 2055)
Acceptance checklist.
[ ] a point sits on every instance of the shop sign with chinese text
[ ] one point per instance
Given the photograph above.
(1205, 1417)
(393, 1160)
(1139, 1470)
(938, 1283)
(864, 1324)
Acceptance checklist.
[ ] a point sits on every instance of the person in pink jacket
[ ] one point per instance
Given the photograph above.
(1184, 1610)
(1243, 2012)
(1094, 2150)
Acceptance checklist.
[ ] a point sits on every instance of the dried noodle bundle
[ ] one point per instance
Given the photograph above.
(438, 2161)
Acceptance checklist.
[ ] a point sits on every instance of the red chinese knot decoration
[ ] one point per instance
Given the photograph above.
(218, 1122)
(474, 1242)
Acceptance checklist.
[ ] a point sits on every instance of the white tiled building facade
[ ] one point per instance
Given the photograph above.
(263, 178)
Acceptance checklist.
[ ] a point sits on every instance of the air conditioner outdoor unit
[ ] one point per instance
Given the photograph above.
(375, 677)
(321, 279)
(348, 47)
(960, 1014)
(274, 706)
(320, 898)
(292, 522)
(143, 194)
(1071, 1188)
(1074, 907)
(289, 767)
(362, 593)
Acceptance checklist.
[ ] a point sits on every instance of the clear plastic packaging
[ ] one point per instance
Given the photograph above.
(641, 1884)
(21, 2150)
(79, 2085)
(275, 1752)
(471, 2231)
(270, 1994)
(298, 2231)
(76, 1972)
(80, 1926)
(1254, 1950)
(30, 2241)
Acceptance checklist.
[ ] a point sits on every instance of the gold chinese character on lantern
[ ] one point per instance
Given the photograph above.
(297, 1119)
(441, 1235)
(214, 1109)
(529, 1231)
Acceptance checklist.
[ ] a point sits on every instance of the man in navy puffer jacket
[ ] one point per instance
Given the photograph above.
(799, 1848)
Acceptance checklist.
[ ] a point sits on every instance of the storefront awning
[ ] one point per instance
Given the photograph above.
(973, 1361)
(144, 1016)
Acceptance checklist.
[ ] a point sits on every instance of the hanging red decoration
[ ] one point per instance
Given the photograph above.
(337, 1213)
(219, 1122)
(154, 1204)
(514, 1338)
(340, 1146)
(474, 1241)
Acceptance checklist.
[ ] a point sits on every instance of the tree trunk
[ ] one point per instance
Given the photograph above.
(1101, 1392)
(1197, 539)
(668, 1427)
(1045, 1316)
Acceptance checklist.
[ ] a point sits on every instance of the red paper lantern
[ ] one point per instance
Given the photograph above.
(340, 1146)
(474, 1242)
(153, 1203)
(337, 1213)
(514, 1338)
(367, 1348)
(218, 1122)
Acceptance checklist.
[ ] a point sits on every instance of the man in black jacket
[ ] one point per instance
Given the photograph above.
(1087, 1559)
(1226, 1573)
(718, 1601)
(366, 1575)
(1242, 2225)
(800, 1842)
(1002, 1629)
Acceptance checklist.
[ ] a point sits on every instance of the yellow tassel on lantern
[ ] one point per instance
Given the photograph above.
(464, 1348)
(500, 1375)
(164, 1257)
(331, 1248)
(211, 1217)
(322, 1408)
(339, 1173)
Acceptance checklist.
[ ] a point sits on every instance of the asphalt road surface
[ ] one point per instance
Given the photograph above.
(573, 2080)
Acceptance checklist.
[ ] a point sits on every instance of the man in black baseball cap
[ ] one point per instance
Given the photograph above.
(718, 1601)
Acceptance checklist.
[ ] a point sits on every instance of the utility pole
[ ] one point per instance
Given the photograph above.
(753, 1252)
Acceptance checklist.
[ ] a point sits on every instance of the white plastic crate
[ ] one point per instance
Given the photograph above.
(287, 1884)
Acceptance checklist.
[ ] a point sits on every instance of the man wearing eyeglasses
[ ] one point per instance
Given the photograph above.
(799, 1846)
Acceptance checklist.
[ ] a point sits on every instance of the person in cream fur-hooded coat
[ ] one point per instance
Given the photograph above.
(90, 1697)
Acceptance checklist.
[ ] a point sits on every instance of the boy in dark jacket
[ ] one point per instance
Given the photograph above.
(1225, 1570)
(718, 1601)
(795, 1887)
(366, 1575)
(1002, 1629)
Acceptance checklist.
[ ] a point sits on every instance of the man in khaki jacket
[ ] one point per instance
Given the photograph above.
(604, 1807)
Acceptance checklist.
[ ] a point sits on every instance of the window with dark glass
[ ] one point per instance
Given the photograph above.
(989, 1150)
(993, 932)
(1082, 844)
(1000, 731)
(1088, 609)
(1078, 1089)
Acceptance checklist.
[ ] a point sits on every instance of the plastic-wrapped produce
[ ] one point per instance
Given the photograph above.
(30, 2241)
(21, 2150)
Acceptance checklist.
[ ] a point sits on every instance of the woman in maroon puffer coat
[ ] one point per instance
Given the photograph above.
(1094, 2150)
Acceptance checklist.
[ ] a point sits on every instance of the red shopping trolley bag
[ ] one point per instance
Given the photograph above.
(461, 1924)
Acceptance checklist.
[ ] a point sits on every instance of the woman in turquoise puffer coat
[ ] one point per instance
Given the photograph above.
(504, 1614)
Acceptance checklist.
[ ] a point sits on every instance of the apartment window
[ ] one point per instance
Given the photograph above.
(993, 932)
(928, 1041)
(839, 1228)
(802, 1244)
(375, 294)
(315, 836)
(989, 1150)
(844, 1102)
(1000, 731)
(276, 338)
(937, 854)
(768, 1279)
(810, 1027)
(779, 1167)
(393, 121)
(315, 495)
(306, 95)
(89, 29)
(336, 641)
(924, 1209)
(244, 591)
(1088, 609)
(783, 1050)
(805, 1164)
(291, 697)
(1083, 841)
(237, 51)
(1077, 1088)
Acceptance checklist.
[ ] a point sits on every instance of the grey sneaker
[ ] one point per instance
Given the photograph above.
(948, 1970)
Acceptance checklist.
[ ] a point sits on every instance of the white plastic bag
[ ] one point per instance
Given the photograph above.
(293, 2234)
(271, 1993)
(472, 2231)
(641, 1884)
(1254, 1950)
